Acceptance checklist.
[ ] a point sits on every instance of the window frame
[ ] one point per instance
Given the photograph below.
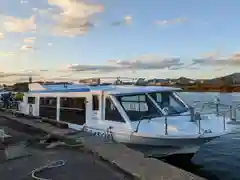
(95, 102)
(117, 110)
(148, 98)
(32, 98)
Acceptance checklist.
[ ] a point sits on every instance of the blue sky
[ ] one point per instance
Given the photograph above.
(58, 39)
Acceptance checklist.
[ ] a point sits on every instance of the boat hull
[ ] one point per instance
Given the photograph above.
(160, 147)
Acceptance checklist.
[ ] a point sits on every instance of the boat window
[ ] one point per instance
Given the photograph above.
(138, 106)
(111, 112)
(170, 101)
(95, 102)
(77, 103)
(73, 110)
(31, 100)
(48, 107)
(48, 101)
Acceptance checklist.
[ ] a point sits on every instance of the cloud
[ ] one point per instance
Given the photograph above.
(146, 62)
(233, 60)
(14, 24)
(171, 21)
(23, 2)
(49, 44)
(29, 40)
(126, 20)
(1, 35)
(6, 54)
(73, 18)
(26, 47)
(19, 74)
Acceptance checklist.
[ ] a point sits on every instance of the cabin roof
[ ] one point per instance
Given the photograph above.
(139, 89)
(111, 89)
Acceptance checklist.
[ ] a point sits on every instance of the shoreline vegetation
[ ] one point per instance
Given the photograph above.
(226, 84)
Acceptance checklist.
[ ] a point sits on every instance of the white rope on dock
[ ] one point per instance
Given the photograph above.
(53, 164)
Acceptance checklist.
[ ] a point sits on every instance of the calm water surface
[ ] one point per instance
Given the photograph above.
(220, 157)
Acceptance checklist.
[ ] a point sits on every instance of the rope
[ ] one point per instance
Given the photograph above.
(53, 164)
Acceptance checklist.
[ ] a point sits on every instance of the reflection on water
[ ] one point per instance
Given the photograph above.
(220, 157)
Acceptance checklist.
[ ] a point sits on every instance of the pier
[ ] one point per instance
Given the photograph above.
(123, 160)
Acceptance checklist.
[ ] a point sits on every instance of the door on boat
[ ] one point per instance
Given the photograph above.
(73, 111)
(113, 116)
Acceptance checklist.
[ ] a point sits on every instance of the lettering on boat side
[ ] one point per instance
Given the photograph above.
(105, 135)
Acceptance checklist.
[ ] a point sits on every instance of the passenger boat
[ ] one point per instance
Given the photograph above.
(153, 119)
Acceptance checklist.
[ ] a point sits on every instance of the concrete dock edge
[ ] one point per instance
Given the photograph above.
(124, 158)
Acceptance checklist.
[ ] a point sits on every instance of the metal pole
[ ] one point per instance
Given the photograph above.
(234, 116)
(231, 112)
(166, 126)
(217, 109)
(224, 122)
(192, 113)
(199, 126)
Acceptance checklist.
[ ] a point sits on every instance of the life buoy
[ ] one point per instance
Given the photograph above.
(30, 109)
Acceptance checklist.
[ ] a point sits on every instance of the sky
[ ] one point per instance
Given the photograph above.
(73, 39)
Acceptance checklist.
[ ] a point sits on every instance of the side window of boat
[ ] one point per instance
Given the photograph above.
(48, 101)
(135, 103)
(75, 103)
(31, 100)
(95, 102)
(111, 112)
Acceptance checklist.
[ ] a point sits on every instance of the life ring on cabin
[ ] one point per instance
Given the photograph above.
(30, 109)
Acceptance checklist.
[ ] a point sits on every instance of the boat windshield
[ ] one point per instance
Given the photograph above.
(139, 106)
(170, 101)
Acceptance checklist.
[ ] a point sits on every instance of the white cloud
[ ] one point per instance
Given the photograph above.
(14, 24)
(126, 20)
(23, 2)
(139, 63)
(171, 21)
(1, 35)
(29, 40)
(6, 54)
(49, 44)
(74, 16)
(26, 47)
(214, 60)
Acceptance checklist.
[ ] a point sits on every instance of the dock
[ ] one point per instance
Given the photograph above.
(121, 158)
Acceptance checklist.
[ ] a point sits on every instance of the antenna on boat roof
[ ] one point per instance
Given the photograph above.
(30, 79)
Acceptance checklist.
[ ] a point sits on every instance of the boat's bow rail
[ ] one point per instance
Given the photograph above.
(221, 112)
(219, 108)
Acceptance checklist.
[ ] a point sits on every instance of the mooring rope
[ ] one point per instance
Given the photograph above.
(53, 164)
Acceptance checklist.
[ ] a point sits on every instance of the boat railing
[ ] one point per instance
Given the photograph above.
(221, 110)
(216, 107)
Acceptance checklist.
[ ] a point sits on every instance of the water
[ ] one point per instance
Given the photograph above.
(220, 157)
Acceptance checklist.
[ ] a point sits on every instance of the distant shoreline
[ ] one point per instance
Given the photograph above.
(222, 89)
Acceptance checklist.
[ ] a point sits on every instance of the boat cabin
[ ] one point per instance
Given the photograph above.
(101, 106)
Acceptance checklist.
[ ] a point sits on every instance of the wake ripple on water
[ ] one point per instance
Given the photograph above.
(220, 157)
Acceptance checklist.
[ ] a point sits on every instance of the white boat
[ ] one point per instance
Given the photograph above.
(152, 119)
